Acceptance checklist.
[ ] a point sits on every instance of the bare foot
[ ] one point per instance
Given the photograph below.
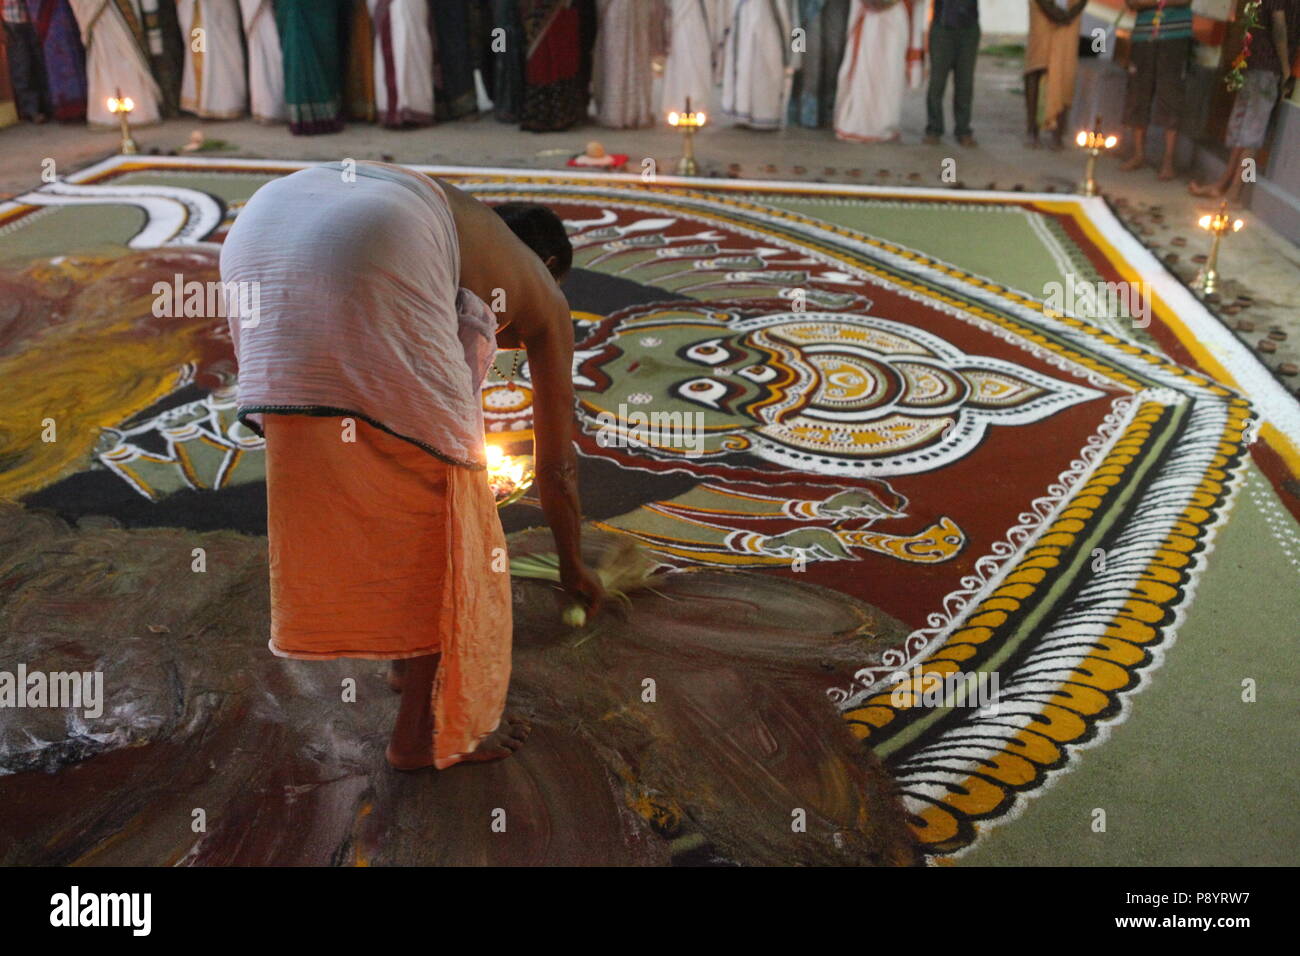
(1205, 191)
(502, 742)
(1031, 139)
(1166, 173)
(1132, 163)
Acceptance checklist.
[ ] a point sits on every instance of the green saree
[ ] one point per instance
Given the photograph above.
(311, 41)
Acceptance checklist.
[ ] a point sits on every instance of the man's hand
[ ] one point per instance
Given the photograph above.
(583, 584)
(550, 362)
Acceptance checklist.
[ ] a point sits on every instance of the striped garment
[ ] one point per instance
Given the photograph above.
(1175, 24)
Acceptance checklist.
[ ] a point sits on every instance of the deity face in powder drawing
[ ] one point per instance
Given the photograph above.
(825, 392)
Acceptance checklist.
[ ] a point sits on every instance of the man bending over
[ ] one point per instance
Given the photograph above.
(362, 369)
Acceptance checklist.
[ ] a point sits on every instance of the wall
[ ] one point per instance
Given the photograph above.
(1009, 17)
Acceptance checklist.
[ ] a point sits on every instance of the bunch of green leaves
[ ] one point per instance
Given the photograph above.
(623, 568)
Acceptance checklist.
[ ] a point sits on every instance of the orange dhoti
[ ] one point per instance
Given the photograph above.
(379, 550)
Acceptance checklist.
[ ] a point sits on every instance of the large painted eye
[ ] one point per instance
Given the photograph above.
(712, 352)
(703, 391)
(759, 373)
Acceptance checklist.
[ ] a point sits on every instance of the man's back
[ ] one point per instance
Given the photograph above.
(358, 280)
(501, 270)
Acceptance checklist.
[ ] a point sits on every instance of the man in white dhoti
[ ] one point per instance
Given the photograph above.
(403, 62)
(265, 62)
(115, 63)
(694, 53)
(214, 84)
(758, 60)
(883, 56)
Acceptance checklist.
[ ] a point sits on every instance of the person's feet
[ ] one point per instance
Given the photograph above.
(930, 139)
(968, 140)
(1167, 172)
(1056, 142)
(501, 743)
(1031, 139)
(1136, 161)
(1205, 190)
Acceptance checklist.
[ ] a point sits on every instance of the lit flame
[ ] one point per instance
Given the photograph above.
(689, 118)
(1204, 222)
(120, 104)
(505, 469)
(1236, 226)
(1093, 139)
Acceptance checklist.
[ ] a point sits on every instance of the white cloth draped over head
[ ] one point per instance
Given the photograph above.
(114, 62)
(694, 53)
(359, 311)
(214, 84)
(882, 57)
(265, 62)
(756, 53)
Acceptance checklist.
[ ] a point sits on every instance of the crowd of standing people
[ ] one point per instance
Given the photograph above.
(544, 64)
(550, 64)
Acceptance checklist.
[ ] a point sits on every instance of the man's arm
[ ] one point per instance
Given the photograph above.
(549, 344)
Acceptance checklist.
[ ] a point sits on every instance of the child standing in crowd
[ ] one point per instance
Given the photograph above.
(954, 45)
(1051, 61)
(1268, 70)
(1162, 42)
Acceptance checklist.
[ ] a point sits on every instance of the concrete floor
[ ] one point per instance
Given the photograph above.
(1257, 263)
